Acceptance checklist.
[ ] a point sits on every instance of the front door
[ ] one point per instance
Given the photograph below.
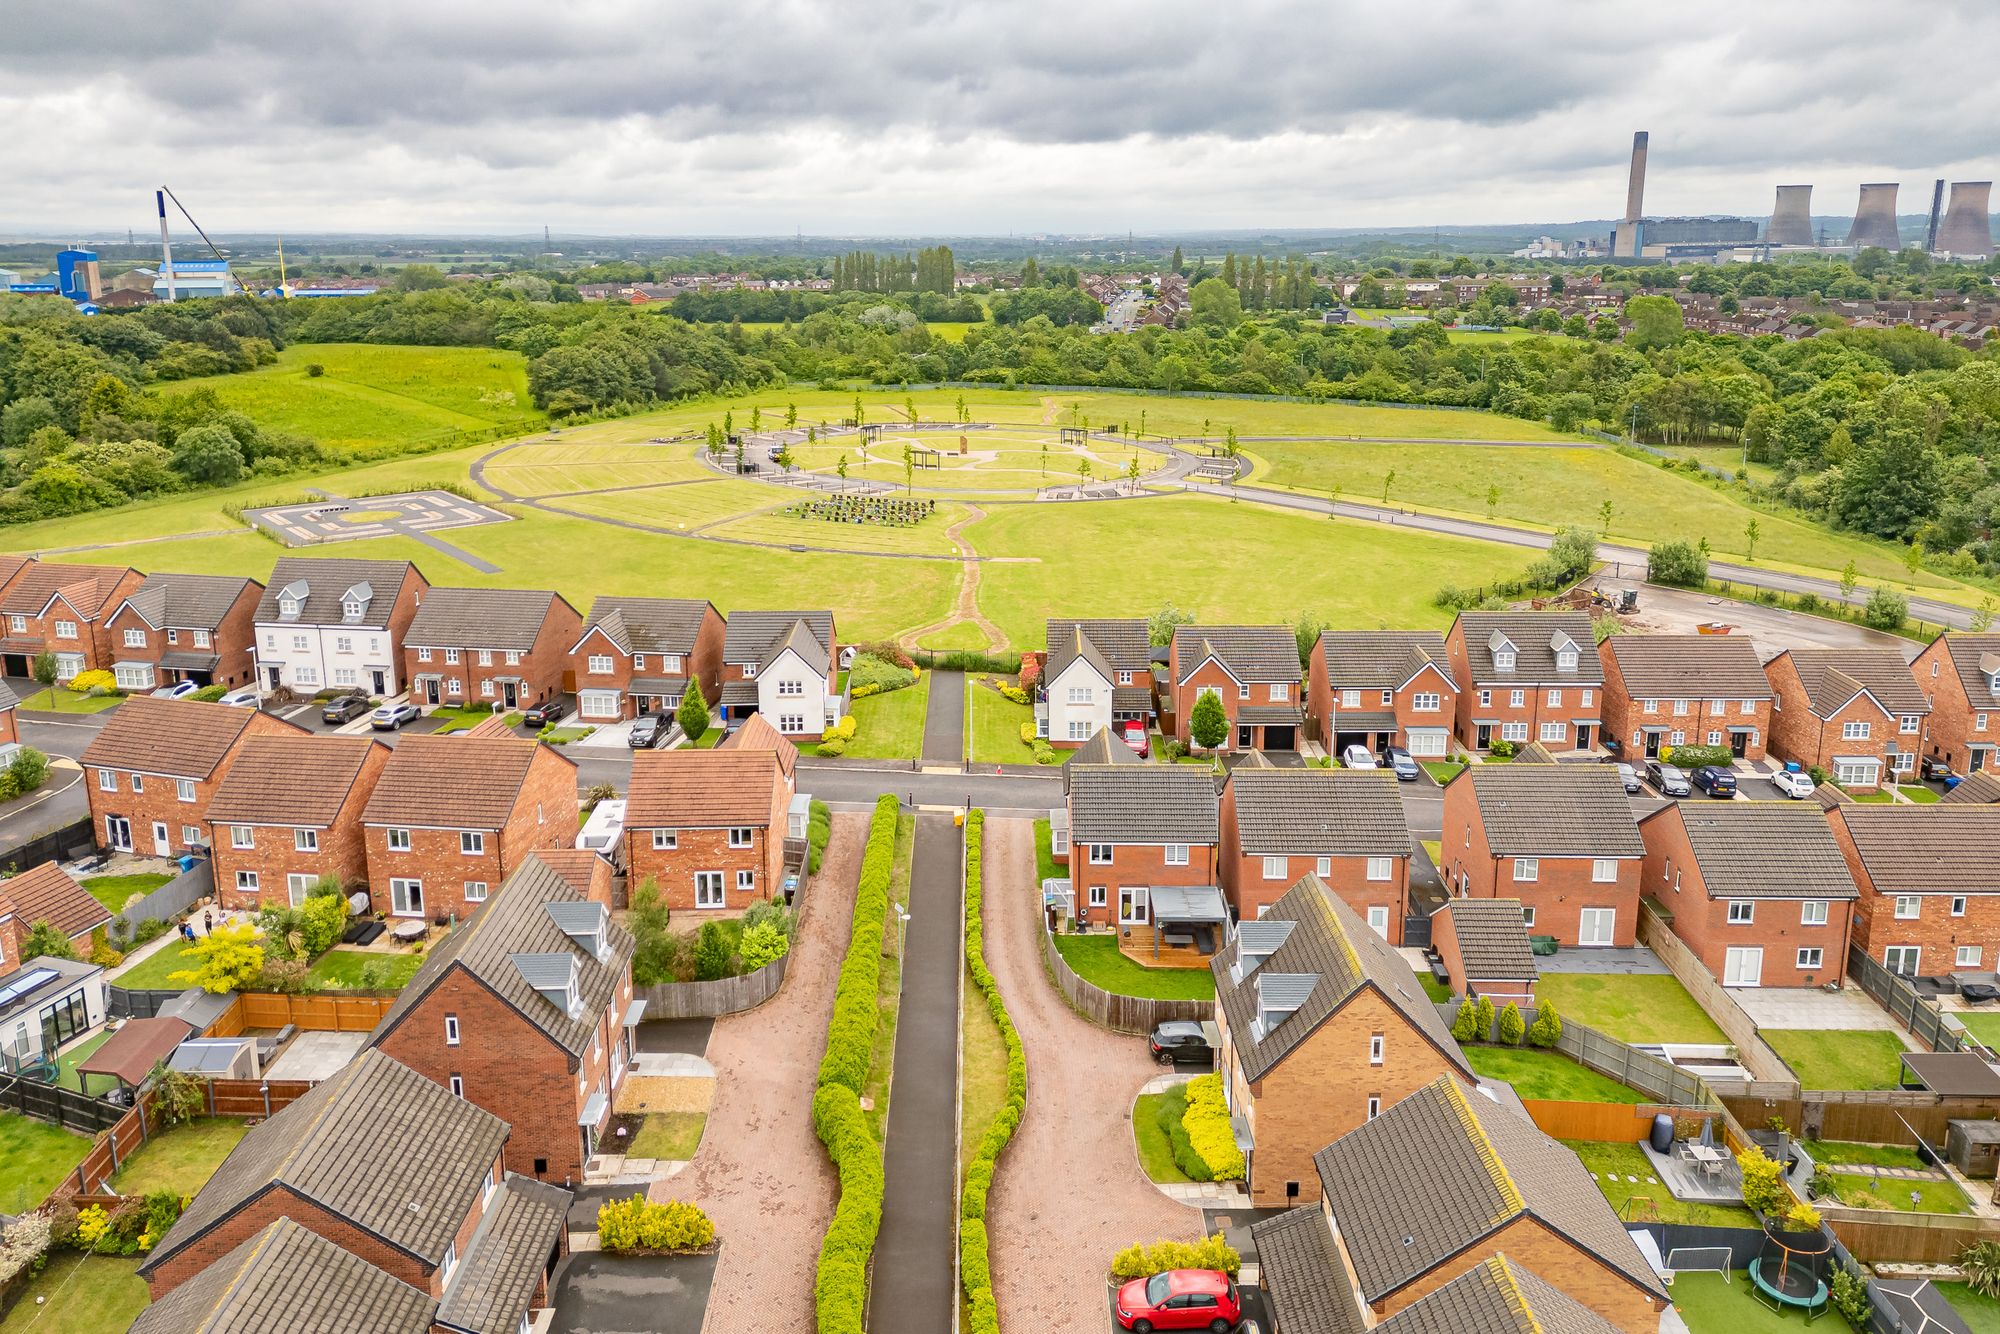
(1485, 737)
(1743, 966)
(1583, 736)
(1901, 959)
(1595, 925)
(1243, 738)
(1739, 744)
(1652, 745)
(510, 693)
(117, 833)
(162, 846)
(377, 682)
(1975, 760)
(274, 677)
(430, 692)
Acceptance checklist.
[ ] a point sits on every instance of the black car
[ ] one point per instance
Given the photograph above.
(1715, 780)
(1669, 780)
(546, 712)
(649, 731)
(345, 709)
(1934, 770)
(1181, 1042)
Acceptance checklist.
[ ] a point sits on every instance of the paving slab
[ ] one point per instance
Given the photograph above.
(1810, 1008)
(316, 1056)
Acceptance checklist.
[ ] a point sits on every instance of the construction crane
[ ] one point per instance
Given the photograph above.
(160, 198)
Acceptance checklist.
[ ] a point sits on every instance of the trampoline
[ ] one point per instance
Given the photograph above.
(1790, 1272)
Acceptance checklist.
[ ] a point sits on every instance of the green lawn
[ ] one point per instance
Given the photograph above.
(113, 890)
(61, 699)
(1436, 990)
(151, 973)
(1824, 1152)
(1434, 849)
(1548, 1075)
(1183, 415)
(1863, 1191)
(78, 1294)
(33, 1158)
(983, 1071)
(1096, 959)
(1839, 1058)
(1156, 1152)
(75, 1056)
(1711, 1306)
(1984, 1027)
(1046, 865)
(1918, 793)
(1873, 798)
(993, 726)
(464, 719)
(1642, 1008)
(179, 1159)
(710, 739)
(1442, 771)
(1982, 1314)
(673, 1136)
(1623, 1173)
(958, 635)
(890, 726)
(342, 968)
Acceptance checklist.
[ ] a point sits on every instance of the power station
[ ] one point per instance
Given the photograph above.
(1875, 218)
(1791, 217)
(1967, 232)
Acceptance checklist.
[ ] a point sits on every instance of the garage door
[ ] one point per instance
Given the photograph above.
(1428, 743)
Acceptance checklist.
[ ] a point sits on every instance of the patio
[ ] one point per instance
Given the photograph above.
(1809, 1007)
(1637, 961)
(1716, 1181)
(316, 1056)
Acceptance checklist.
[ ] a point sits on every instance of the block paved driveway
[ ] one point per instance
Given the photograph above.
(761, 1173)
(1070, 1194)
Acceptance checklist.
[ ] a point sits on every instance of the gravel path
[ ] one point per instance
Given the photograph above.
(1070, 1194)
(761, 1173)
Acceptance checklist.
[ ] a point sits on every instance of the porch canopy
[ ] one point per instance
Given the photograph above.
(1189, 905)
(130, 1054)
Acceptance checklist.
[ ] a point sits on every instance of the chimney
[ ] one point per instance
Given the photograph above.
(1627, 241)
(1966, 231)
(1875, 218)
(1791, 218)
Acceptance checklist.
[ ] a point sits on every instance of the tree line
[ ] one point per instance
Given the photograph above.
(931, 269)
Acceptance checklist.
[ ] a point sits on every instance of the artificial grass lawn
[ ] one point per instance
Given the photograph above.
(983, 1071)
(79, 1294)
(1824, 1152)
(180, 1159)
(1046, 866)
(113, 890)
(1861, 1190)
(77, 1055)
(889, 991)
(1621, 1162)
(1156, 1151)
(1096, 959)
(1548, 1075)
(890, 726)
(993, 725)
(1710, 1305)
(150, 974)
(61, 699)
(1918, 793)
(670, 1136)
(1632, 1008)
(33, 1158)
(1981, 1314)
(342, 968)
(1839, 1058)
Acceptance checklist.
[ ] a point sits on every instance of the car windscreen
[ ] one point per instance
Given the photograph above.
(1158, 1289)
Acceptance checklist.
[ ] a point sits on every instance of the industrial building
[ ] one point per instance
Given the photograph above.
(1967, 232)
(1875, 218)
(1639, 237)
(1791, 217)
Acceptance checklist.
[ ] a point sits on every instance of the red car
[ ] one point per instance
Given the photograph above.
(1133, 734)
(1180, 1299)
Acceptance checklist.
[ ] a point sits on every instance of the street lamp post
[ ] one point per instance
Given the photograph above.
(902, 929)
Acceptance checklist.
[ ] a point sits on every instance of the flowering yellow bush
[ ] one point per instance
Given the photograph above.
(637, 1224)
(1207, 1124)
(85, 682)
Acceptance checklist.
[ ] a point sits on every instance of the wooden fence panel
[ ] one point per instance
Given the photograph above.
(253, 1097)
(1607, 1122)
(321, 1013)
(1124, 1014)
(1934, 1239)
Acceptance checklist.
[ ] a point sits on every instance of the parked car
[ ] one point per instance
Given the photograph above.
(1671, 781)
(1179, 1040)
(1934, 770)
(1794, 783)
(546, 712)
(176, 690)
(241, 699)
(1358, 757)
(1715, 780)
(1133, 734)
(392, 716)
(345, 709)
(1628, 776)
(649, 731)
(1402, 764)
(1180, 1299)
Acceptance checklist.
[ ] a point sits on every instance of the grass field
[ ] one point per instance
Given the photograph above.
(1096, 959)
(673, 1136)
(33, 1158)
(1548, 1075)
(1018, 458)
(1839, 1058)
(1623, 1173)
(180, 1158)
(1186, 416)
(993, 727)
(890, 726)
(78, 1294)
(1641, 1008)
(113, 890)
(1863, 1190)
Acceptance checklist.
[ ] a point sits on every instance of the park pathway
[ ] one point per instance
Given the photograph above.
(915, 1286)
(944, 719)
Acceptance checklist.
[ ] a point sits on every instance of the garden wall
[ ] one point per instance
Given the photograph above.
(727, 995)
(1934, 1239)
(1124, 1014)
(1752, 1052)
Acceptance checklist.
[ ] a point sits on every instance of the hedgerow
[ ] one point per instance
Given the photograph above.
(1207, 1122)
(974, 1269)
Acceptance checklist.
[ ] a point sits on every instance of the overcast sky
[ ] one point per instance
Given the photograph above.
(899, 116)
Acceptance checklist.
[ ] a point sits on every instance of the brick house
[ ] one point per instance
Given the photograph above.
(526, 1011)
(1381, 688)
(1097, 674)
(1323, 1025)
(1344, 826)
(1558, 837)
(708, 827)
(452, 816)
(186, 627)
(1853, 713)
(781, 664)
(1483, 944)
(1526, 676)
(62, 609)
(1662, 691)
(508, 647)
(1493, 1186)
(590, 875)
(45, 893)
(1961, 674)
(1930, 886)
(1758, 890)
(1495, 1295)
(346, 1162)
(1252, 669)
(1133, 828)
(636, 656)
(332, 623)
(155, 765)
(289, 815)
(10, 728)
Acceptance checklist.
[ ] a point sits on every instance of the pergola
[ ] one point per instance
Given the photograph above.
(130, 1054)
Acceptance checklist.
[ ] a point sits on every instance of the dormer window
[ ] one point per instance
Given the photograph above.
(351, 610)
(288, 607)
(1566, 660)
(1503, 660)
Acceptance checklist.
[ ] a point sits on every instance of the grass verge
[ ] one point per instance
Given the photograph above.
(975, 1269)
(890, 726)
(889, 986)
(1156, 1151)
(670, 1136)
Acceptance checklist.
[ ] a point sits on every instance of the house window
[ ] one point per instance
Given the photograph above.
(1124, 678)
(1812, 912)
(1243, 690)
(190, 835)
(1862, 774)
(406, 897)
(1378, 919)
(107, 780)
(138, 783)
(1485, 698)
(65, 629)
(1323, 867)
(1279, 690)
(343, 643)
(17, 624)
(1374, 1108)
(135, 639)
(1100, 854)
(472, 842)
(1742, 912)
(1967, 956)
(1649, 706)
(1503, 661)
(486, 689)
(246, 881)
(600, 664)
(486, 657)
(454, 687)
(1527, 914)
(791, 722)
(242, 836)
(1099, 896)
(1555, 699)
(1426, 701)
(1517, 698)
(399, 840)
(791, 687)
(1746, 707)
(1677, 737)
(1713, 738)
(305, 840)
(1350, 699)
(666, 840)
(708, 889)
(1079, 694)
(457, 1087)
(1388, 698)
(308, 676)
(1958, 905)
(1376, 1044)
(1274, 868)
(450, 656)
(1680, 708)
(1513, 731)
(184, 789)
(1907, 906)
(298, 643)
(739, 837)
(346, 676)
(1380, 868)
(1177, 854)
(200, 638)
(1979, 722)
(1132, 905)
(746, 882)
(1079, 730)
(1604, 870)
(1586, 697)
(1854, 731)
(1903, 762)
(1527, 868)
(475, 891)
(1811, 957)
(1909, 724)
(1554, 731)
(451, 1030)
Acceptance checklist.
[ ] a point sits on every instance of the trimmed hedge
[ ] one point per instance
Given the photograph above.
(840, 1291)
(1172, 1120)
(974, 1267)
(1208, 1131)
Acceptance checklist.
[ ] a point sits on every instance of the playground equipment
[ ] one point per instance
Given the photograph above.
(34, 1064)
(1790, 1273)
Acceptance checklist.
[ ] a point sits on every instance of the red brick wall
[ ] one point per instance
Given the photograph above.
(1136, 864)
(705, 662)
(1249, 892)
(1561, 890)
(234, 642)
(1533, 709)
(9, 726)
(541, 669)
(673, 869)
(343, 849)
(92, 638)
(1532, 1245)
(1954, 721)
(1210, 677)
(1624, 716)
(159, 800)
(1319, 699)
(1797, 733)
(544, 816)
(1935, 930)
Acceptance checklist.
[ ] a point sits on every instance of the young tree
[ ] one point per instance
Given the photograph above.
(910, 409)
(228, 958)
(1229, 446)
(860, 419)
(1492, 500)
(652, 945)
(1045, 458)
(1547, 1029)
(1142, 421)
(961, 409)
(841, 469)
(1483, 1018)
(1750, 540)
(1307, 629)
(1208, 721)
(1849, 577)
(1604, 517)
(1464, 1024)
(791, 416)
(909, 469)
(756, 417)
(1083, 472)
(44, 669)
(739, 453)
(1512, 1026)
(1982, 616)
(711, 953)
(1388, 482)
(1132, 474)
(44, 941)
(692, 715)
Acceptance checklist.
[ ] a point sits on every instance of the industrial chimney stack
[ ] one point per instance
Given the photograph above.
(1791, 219)
(1875, 218)
(1966, 231)
(1626, 242)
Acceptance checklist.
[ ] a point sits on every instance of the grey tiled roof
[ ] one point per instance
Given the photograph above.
(1446, 1167)
(515, 922)
(1303, 1274)
(1935, 849)
(1833, 676)
(1763, 849)
(1270, 714)
(1121, 643)
(1497, 1296)
(492, 1287)
(1319, 812)
(182, 737)
(1981, 788)
(1150, 803)
(1380, 659)
(1334, 946)
(800, 639)
(287, 1279)
(1554, 810)
(493, 618)
(650, 625)
(1689, 666)
(453, 782)
(1533, 634)
(1492, 939)
(363, 1145)
(295, 780)
(187, 601)
(1102, 748)
(749, 636)
(1974, 657)
(326, 578)
(1250, 652)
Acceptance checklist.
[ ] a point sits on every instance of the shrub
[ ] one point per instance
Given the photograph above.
(1482, 1019)
(869, 669)
(692, 714)
(1208, 721)
(85, 682)
(1886, 609)
(1693, 757)
(45, 941)
(1014, 694)
(975, 1272)
(92, 1223)
(1849, 1293)
(863, 692)
(1547, 1029)
(1173, 1121)
(228, 958)
(1981, 1265)
(1207, 1122)
(102, 953)
(762, 944)
(1146, 1261)
(1045, 753)
(654, 948)
(1678, 564)
(1028, 737)
(1512, 1027)
(1764, 1189)
(1502, 749)
(636, 1224)
(24, 1242)
(832, 748)
(148, 931)
(1465, 1024)
(819, 828)
(28, 770)
(322, 920)
(163, 1210)
(711, 953)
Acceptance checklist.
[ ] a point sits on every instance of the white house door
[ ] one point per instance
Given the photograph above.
(1595, 926)
(117, 833)
(162, 845)
(1743, 966)
(1901, 959)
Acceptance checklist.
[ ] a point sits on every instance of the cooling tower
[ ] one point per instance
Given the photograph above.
(1966, 231)
(1625, 240)
(1791, 220)
(1875, 218)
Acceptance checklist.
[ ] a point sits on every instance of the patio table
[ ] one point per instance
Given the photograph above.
(409, 931)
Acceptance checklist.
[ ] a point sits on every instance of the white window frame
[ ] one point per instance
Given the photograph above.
(1967, 956)
(471, 843)
(1323, 867)
(1604, 870)
(107, 780)
(746, 881)
(184, 789)
(242, 836)
(1813, 912)
(451, 1033)
(741, 836)
(1426, 701)
(1811, 956)
(599, 664)
(475, 891)
(1134, 905)
(1274, 867)
(246, 882)
(1176, 854)
(397, 840)
(709, 890)
(1378, 1046)
(1555, 731)
(666, 840)
(1381, 868)
(1100, 854)
(305, 840)
(1742, 912)
(1854, 730)
(1909, 907)
(1958, 905)
(1527, 870)
(399, 889)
